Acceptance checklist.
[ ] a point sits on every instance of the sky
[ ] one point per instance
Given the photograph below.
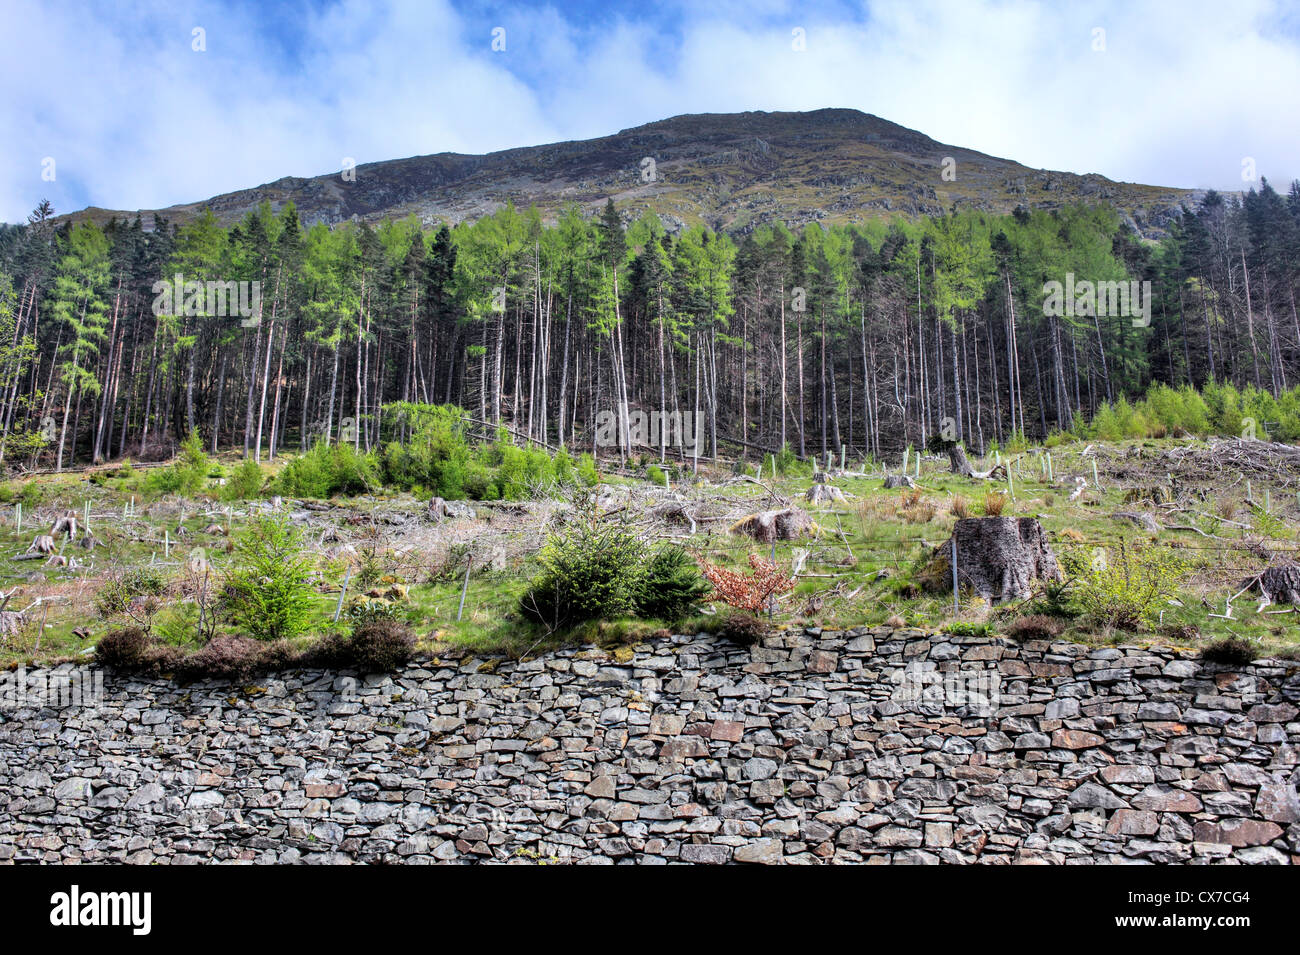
(150, 103)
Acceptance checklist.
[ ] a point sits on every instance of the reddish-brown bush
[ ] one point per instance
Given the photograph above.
(227, 657)
(747, 591)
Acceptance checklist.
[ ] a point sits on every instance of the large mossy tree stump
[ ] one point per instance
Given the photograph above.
(998, 558)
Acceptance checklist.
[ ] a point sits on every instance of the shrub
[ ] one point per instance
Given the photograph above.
(743, 628)
(132, 650)
(29, 493)
(269, 594)
(749, 592)
(1056, 600)
(587, 472)
(591, 573)
(227, 657)
(122, 649)
(131, 593)
(433, 453)
(188, 474)
(180, 626)
(787, 463)
(670, 586)
(326, 470)
(565, 472)
(1230, 651)
(328, 652)
(381, 646)
(1180, 410)
(371, 609)
(246, 481)
(960, 507)
(1034, 626)
(375, 647)
(1126, 588)
(279, 655)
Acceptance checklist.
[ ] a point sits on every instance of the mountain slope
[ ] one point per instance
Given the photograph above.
(726, 170)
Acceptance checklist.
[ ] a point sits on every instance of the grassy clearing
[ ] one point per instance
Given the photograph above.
(858, 569)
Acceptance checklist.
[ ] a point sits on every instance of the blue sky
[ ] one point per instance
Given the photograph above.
(132, 116)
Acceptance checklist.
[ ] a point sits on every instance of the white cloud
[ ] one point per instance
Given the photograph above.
(135, 119)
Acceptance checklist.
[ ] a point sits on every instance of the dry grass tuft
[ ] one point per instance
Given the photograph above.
(995, 502)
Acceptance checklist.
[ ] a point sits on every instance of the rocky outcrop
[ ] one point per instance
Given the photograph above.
(875, 746)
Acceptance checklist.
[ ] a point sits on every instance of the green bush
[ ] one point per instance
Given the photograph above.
(269, 593)
(188, 474)
(179, 626)
(589, 574)
(246, 481)
(788, 464)
(670, 585)
(587, 472)
(1127, 587)
(432, 452)
(27, 493)
(372, 610)
(327, 470)
(1176, 410)
(565, 472)
(1218, 409)
(132, 592)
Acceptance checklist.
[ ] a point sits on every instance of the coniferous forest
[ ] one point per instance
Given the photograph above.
(121, 341)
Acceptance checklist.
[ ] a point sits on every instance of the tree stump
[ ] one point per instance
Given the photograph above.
(1280, 584)
(998, 558)
(1140, 518)
(11, 622)
(65, 524)
(825, 494)
(958, 463)
(767, 526)
(440, 510)
(898, 480)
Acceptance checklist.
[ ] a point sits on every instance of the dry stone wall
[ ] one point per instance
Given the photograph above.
(871, 746)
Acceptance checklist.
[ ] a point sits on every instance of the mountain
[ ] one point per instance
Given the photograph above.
(729, 171)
